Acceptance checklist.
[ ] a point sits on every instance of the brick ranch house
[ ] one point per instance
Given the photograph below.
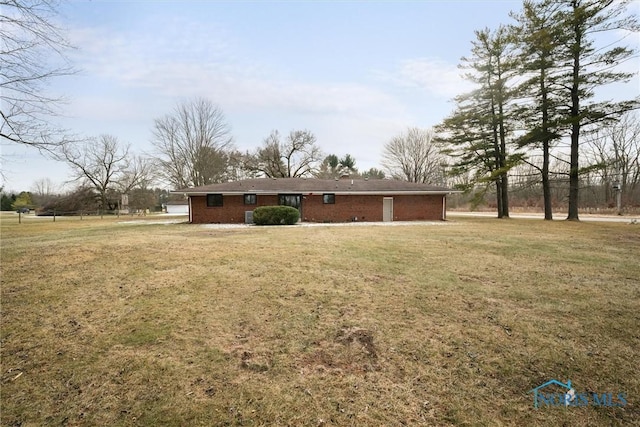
(318, 200)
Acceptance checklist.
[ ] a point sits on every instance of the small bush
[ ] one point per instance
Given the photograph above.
(275, 215)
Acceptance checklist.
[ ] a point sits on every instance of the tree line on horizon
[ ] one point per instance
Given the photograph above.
(532, 127)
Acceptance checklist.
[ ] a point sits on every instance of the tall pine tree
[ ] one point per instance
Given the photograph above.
(539, 40)
(589, 66)
(476, 132)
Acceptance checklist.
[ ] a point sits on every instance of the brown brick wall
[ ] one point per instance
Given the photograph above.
(232, 210)
(365, 208)
(346, 207)
(417, 208)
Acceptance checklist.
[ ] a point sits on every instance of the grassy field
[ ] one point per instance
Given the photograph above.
(112, 323)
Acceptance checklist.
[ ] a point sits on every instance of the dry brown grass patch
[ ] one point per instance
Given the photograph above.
(106, 323)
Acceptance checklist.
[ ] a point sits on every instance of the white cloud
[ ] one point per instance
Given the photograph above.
(178, 69)
(434, 76)
(130, 77)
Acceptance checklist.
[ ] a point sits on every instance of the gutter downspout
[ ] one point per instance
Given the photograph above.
(444, 207)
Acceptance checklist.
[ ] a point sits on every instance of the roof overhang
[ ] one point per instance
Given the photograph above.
(320, 192)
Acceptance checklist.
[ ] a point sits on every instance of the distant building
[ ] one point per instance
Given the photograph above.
(177, 207)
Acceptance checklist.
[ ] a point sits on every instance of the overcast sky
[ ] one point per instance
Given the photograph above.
(355, 73)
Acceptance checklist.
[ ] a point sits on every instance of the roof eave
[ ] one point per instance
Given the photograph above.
(318, 192)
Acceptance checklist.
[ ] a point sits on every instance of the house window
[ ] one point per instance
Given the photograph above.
(329, 199)
(250, 199)
(292, 200)
(214, 200)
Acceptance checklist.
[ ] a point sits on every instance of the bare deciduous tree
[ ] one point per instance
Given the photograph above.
(192, 144)
(237, 167)
(44, 187)
(141, 199)
(613, 152)
(32, 52)
(101, 163)
(295, 157)
(43, 190)
(413, 156)
(625, 146)
(75, 201)
(139, 173)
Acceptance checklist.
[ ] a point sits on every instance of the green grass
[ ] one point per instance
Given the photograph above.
(105, 323)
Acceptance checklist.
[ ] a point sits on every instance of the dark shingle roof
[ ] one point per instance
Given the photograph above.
(312, 185)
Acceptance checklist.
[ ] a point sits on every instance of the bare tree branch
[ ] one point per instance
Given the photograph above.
(297, 156)
(101, 163)
(413, 156)
(32, 53)
(193, 144)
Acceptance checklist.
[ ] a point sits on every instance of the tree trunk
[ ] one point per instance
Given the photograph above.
(574, 178)
(504, 177)
(504, 184)
(546, 147)
(546, 185)
(499, 198)
(499, 179)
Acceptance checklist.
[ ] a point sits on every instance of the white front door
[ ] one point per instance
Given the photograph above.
(387, 209)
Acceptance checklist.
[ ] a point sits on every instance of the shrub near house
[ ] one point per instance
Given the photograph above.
(275, 215)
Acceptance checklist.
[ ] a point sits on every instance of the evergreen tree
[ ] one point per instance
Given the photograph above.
(6, 204)
(587, 67)
(476, 132)
(348, 164)
(539, 40)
